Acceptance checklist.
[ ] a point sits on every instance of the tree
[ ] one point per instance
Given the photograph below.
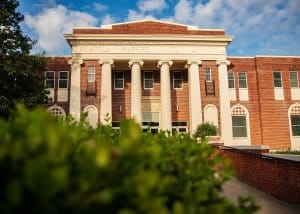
(20, 79)
(205, 129)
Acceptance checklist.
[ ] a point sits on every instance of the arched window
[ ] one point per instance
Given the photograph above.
(57, 111)
(294, 115)
(92, 115)
(240, 120)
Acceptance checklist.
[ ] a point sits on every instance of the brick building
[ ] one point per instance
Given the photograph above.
(173, 77)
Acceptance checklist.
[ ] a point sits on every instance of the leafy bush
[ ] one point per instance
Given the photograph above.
(205, 129)
(50, 166)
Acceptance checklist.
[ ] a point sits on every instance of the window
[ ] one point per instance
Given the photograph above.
(91, 74)
(119, 80)
(242, 80)
(148, 79)
(49, 79)
(277, 79)
(180, 127)
(239, 126)
(294, 79)
(230, 79)
(295, 121)
(177, 79)
(208, 74)
(57, 111)
(63, 79)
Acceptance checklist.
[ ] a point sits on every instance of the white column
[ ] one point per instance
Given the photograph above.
(225, 112)
(136, 89)
(106, 96)
(75, 88)
(195, 108)
(165, 95)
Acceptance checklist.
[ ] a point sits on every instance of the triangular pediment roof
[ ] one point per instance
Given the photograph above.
(148, 26)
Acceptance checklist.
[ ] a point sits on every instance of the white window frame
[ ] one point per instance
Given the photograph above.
(246, 127)
(152, 79)
(277, 79)
(49, 79)
(293, 115)
(231, 72)
(92, 72)
(63, 79)
(239, 79)
(208, 71)
(181, 79)
(177, 128)
(297, 79)
(121, 88)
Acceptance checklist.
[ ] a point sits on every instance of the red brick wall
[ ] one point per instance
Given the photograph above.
(121, 98)
(210, 99)
(248, 65)
(148, 27)
(278, 177)
(180, 97)
(58, 64)
(90, 99)
(274, 113)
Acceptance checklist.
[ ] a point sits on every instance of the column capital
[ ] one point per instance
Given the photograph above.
(135, 61)
(192, 61)
(73, 61)
(223, 62)
(161, 62)
(106, 61)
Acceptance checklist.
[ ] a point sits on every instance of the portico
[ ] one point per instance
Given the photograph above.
(129, 63)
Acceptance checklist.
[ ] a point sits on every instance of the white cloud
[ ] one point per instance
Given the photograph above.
(50, 24)
(108, 19)
(151, 5)
(134, 15)
(100, 7)
(183, 11)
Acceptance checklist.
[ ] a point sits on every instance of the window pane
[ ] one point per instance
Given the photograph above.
(118, 83)
(208, 74)
(63, 83)
(239, 127)
(148, 75)
(177, 84)
(63, 75)
(294, 79)
(49, 75)
(230, 80)
(148, 84)
(295, 119)
(118, 75)
(242, 80)
(177, 75)
(277, 79)
(49, 83)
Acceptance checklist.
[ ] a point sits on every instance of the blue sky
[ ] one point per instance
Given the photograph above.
(260, 27)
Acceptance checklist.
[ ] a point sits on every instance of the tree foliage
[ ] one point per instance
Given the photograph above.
(53, 167)
(20, 81)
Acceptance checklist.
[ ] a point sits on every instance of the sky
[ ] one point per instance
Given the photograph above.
(259, 27)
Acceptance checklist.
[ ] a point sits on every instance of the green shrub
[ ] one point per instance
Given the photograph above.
(49, 166)
(205, 129)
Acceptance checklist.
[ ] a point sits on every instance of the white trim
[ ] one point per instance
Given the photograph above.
(173, 72)
(295, 140)
(242, 140)
(118, 79)
(283, 56)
